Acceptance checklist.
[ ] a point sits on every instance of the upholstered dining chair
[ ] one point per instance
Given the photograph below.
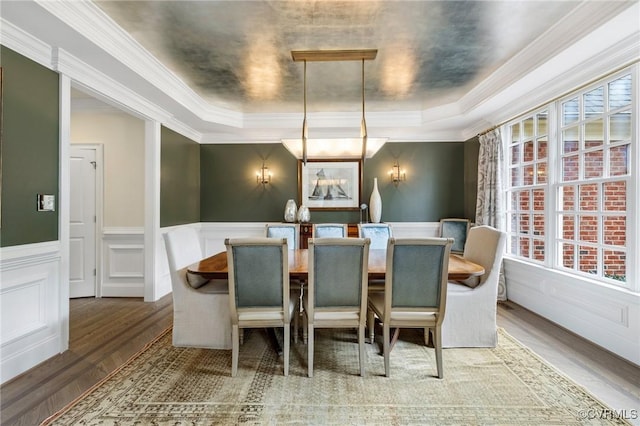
(258, 289)
(415, 293)
(290, 231)
(458, 229)
(378, 233)
(329, 230)
(472, 304)
(337, 289)
(200, 306)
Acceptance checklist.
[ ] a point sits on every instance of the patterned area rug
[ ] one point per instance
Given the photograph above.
(164, 385)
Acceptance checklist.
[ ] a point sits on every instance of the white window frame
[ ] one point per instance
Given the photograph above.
(552, 210)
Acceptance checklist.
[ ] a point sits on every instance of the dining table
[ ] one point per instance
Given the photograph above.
(216, 266)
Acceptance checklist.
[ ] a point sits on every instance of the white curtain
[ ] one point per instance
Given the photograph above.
(490, 202)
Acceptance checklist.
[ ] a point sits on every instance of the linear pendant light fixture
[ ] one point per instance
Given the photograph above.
(348, 143)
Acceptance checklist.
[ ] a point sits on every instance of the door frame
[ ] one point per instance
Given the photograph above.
(99, 207)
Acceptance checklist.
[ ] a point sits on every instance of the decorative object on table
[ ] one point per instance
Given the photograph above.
(304, 215)
(363, 213)
(330, 184)
(397, 174)
(290, 210)
(375, 203)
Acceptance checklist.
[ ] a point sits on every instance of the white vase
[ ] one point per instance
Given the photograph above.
(304, 215)
(375, 203)
(290, 210)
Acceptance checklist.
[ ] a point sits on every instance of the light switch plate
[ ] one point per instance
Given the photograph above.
(46, 203)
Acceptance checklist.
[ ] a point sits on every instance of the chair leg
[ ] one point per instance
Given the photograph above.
(437, 344)
(296, 324)
(363, 359)
(386, 347)
(371, 322)
(310, 348)
(305, 326)
(241, 336)
(235, 348)
(287, 338)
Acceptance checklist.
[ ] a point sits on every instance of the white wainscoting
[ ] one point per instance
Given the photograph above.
(605, 315)
(122, 262)
(29, 301)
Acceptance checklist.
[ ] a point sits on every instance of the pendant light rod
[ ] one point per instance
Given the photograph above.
(304, 121)
(363, 125)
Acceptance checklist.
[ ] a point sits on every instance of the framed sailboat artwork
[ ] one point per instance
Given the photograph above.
(330, 184)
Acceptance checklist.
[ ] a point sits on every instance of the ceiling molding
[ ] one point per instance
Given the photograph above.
(24, 43)
(93, 24)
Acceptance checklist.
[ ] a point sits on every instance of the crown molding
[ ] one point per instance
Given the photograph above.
(24, 43)
(88, 20)
(562, 36)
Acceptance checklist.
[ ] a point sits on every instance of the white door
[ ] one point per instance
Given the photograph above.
(82, 244)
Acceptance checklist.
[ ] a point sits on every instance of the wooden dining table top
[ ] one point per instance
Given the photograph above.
(216, 266)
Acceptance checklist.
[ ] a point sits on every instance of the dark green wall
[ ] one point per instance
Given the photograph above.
(30, 149)
(434, 187)
(229, 192)
(179, 179)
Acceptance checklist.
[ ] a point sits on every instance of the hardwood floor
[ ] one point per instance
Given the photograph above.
(105, 332)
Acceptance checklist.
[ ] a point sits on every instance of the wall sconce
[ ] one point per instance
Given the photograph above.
(397, 174)
(263, 175)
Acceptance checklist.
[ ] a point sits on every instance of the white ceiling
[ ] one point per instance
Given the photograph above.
(221, 71)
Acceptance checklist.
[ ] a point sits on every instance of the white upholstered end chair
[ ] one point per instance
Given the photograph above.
(200, 307)
(472, 304)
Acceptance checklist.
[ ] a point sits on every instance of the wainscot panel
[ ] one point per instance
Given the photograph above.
(605, 315)
(29, 300)
(123, 262)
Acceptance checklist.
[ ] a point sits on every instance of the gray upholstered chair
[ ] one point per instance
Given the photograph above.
(290, 231)
(258, 289)
(472, 304)
(200, 306)
(415, 293)
(378, 233)
(329, 230)
(458, 229)
(337, 291)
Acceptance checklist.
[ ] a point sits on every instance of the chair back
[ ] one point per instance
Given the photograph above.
(458, 229)
(329, 230)
(378, 233)
(183, 247)
(258, 275)
(338, 274)
(290, 231)
(416, 278)
(485, 246)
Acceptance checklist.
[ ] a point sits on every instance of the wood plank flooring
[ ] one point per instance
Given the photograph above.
(104, 333)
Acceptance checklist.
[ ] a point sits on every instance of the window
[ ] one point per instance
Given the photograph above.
(586, 197)
(528, 165)
(595, 141)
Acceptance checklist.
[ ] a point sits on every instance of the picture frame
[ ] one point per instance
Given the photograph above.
(330, 184)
